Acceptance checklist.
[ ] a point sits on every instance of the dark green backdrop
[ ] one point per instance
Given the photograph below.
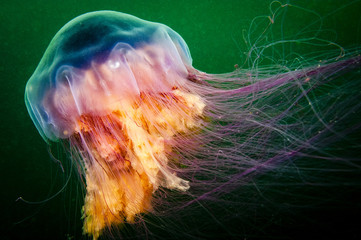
(213, 31)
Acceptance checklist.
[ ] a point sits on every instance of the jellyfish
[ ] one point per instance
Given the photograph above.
(143, 125)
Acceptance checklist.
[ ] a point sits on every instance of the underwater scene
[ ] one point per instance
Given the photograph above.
(181, 120)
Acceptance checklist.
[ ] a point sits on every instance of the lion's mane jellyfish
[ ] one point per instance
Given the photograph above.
(141, 123)
(119, 90)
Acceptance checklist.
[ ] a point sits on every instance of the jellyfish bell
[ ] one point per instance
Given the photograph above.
(115, 86)
(92, 52)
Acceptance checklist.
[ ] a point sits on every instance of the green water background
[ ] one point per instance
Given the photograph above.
(213, 30)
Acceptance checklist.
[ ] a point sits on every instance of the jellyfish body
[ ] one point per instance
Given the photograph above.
(139, 118)
(113, 85)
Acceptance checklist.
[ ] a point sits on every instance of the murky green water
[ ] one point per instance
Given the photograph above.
(217, 34)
